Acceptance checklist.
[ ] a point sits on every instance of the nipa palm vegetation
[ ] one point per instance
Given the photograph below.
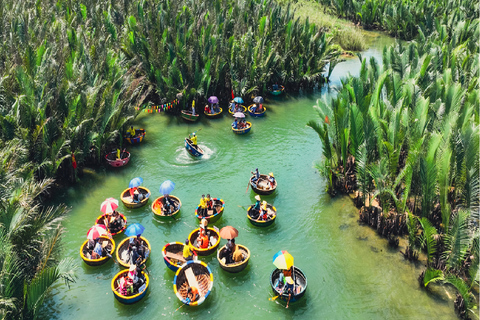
(71, 75)
(403, 18)
(405, 137)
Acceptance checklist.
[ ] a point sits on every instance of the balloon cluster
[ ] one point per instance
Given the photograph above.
(159, 108)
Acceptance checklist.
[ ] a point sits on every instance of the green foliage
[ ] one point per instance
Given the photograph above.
(432, 276)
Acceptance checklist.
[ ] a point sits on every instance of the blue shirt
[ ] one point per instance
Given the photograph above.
(257, 205)
(98, 249)
(234, 124)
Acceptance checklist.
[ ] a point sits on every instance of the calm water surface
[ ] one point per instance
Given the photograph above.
(352, 274)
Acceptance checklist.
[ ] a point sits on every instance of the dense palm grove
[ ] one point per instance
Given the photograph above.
(405, 138)
(71, 75)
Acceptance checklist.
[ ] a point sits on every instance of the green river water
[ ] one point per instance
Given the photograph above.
(352, 274)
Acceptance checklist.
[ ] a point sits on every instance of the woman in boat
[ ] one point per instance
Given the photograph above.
(202, 240)
(97, 252)
(207, 109)
(256, 208)
(209, 202)
(168, 205)
(235, 124)
(192, 294)
(115, 222)
(232, 106)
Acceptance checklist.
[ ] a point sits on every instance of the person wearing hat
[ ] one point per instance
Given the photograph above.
(256, 208)
(271, 179)
(188, 253)
(288, 288)
(204, 224)
(263, 211)
(203, 241)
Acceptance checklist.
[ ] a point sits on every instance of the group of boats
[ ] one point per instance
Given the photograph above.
(188, 273)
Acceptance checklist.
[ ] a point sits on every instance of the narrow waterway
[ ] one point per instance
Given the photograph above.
(352, 274)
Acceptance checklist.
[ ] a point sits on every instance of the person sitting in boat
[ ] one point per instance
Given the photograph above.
(193, 138)
(215, 108)
(202, 207)
(260, 108)
(235, 124)
(255, 178)
(116, 221)
(263, 212)
(271, 179)
(188, 253)
(275, 87)
(168, 205)
(120, 153)
(192, 295)
(138, 196)
(237, 255)
(203, 241)
(209, 202)
(97, 250)
(207, 109)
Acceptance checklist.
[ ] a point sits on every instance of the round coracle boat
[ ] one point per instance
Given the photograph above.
(132, 202)
(114, 226)
(123, 253)
(194, 274)
(108, 246)
(277, 91)
(234, 266)
(139, 135)
(213, 236)
(214, 115)
(256, 114)
(162, 213)
(241, 108)
(213, 214)
(256, 218)
(139, 290)
(245, 130)
(299, 286)
(173, 255)
(195, 151)
(187, 115)
(263, 185)
(114, 162)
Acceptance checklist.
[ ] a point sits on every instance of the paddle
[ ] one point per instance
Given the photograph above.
(276, 297)
(111, 257)
(180, 307)
(248, 185)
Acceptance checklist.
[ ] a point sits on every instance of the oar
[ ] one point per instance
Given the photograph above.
(111, 257)
(198, 130)
(248, 185)
(276, 297)
(180, 307)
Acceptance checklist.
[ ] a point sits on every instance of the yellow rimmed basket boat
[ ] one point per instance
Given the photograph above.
(123, 254)
(263, 186)
(193, 274)
(142, 291)
(236, 266)
(113, 232)
(256, 114)
(214, 237)
(128, 201)
(160, 213)
(214, 115)
(110, 247)
(243, 130)
(241, 106)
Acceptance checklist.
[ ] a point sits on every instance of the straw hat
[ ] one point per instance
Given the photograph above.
(289, 280)
(271, 174)
(257, 197)
(204, 222)
(264, 202)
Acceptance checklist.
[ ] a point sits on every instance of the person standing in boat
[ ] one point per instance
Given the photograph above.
(131, 132)
(256, 177)
(193, 138)
(209, 202)
(232, 106)
(202, 207)
(193, 107)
